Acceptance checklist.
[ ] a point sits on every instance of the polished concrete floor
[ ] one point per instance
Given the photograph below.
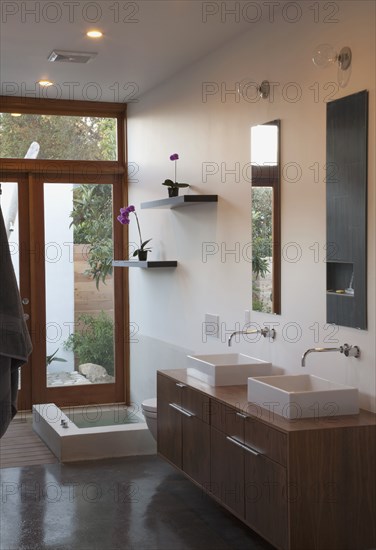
(133, 503)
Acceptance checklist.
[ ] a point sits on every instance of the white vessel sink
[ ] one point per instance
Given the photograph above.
(302, 396)
(226, 369)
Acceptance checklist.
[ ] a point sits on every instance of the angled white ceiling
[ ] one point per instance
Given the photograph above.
(144, 43)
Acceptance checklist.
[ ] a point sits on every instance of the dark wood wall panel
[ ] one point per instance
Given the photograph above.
(346, 179)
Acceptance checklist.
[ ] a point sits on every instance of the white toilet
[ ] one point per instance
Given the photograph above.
(149, 410)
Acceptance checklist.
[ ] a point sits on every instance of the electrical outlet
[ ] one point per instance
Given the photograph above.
(211, 325)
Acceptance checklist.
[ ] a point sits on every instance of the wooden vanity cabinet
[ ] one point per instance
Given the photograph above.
(184, 434)
(304, 485)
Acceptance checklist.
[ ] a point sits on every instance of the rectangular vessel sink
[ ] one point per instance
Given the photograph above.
(302, 396)
(226, 369)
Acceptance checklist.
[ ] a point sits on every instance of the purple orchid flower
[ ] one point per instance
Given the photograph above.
(123, 218)
(175, 157)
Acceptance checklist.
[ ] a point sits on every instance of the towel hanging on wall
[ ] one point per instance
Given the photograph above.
(15, 343)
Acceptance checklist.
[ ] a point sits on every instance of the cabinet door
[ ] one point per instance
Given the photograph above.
(169, 434)
(183, 428)
(196, 449)
(227, 471)
(196, 435)
(266, 498)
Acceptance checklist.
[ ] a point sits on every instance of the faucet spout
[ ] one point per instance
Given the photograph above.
(266, 331)
(318, 350)
(348, 351)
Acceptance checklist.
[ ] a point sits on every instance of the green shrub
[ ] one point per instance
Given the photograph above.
(92, 223)
(94, 342)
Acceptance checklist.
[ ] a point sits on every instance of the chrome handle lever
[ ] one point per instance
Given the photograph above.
(244, 447)
(181, 410)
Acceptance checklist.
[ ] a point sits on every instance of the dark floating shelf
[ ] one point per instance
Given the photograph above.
(145, 265)
(341, 294)
(178, 202)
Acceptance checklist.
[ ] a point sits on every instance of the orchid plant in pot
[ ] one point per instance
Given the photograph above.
(123, 218)
(174, 186)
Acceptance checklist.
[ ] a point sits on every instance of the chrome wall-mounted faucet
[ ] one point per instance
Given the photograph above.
(348, 351)
(266, 331)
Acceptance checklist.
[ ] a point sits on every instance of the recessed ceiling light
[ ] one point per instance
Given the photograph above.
(45, 83)
(94, 34)
(15, 114)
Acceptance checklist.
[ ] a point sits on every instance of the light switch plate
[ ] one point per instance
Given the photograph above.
(211, 325)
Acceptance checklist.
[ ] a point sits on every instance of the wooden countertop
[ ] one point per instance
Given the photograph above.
(236, 396)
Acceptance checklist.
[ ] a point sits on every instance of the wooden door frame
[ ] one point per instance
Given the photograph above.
(85, 394)
(33, 173)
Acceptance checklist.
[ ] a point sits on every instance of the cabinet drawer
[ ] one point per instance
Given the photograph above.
(168, 391)
(187, 400)
(196, 403)
(227, 420)
(266, 440)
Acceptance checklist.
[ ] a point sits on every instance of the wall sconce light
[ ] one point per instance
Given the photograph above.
(264, 89)
(325, 54)
(248, 87)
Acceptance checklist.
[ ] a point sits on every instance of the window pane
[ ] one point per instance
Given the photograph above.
(79, 284)
(262, 252)
(59, 137)
(264, 140)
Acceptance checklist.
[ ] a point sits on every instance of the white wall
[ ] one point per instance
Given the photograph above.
(59, 273)
(9, 192)
(169, 305)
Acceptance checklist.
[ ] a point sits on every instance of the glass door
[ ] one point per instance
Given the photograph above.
(62, 239)
(81, 325)
(14, 206)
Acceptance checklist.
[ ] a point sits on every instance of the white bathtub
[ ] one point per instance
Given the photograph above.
(72, 443)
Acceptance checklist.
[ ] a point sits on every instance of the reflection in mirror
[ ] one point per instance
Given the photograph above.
(266, 224)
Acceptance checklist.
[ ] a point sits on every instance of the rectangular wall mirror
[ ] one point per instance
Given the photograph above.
(266, 217)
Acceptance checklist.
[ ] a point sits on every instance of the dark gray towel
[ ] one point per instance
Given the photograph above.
(15, 343)
(8, 392)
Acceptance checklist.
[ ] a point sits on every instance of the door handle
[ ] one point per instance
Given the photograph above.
(245, 447)
(181, 410)
(25, 301)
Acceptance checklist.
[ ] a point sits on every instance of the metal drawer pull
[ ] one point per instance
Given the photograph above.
(181, 410)
(180, 385)
(245, 447)
(241, 415)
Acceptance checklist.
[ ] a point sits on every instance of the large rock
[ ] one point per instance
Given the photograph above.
(95, 373)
